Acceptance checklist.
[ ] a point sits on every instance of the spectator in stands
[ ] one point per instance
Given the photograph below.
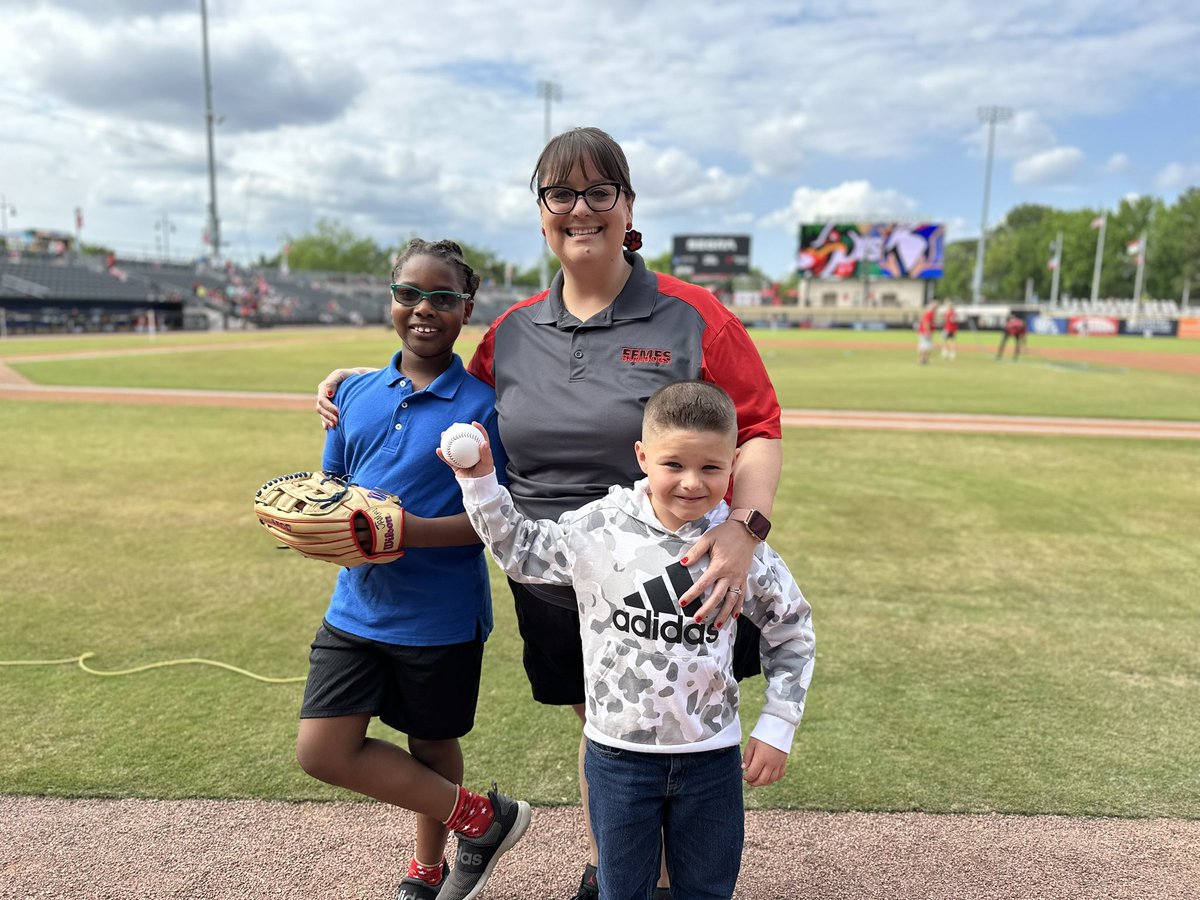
(570, 398)
(1014, 328)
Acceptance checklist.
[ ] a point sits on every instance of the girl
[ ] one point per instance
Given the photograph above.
(404, 641)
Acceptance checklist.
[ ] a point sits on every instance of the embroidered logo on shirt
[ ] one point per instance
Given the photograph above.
(663, 621)
(645, 356)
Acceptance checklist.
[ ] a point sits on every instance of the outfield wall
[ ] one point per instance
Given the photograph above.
(985, 317)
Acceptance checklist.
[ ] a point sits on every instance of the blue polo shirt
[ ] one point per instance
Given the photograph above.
(385, 438)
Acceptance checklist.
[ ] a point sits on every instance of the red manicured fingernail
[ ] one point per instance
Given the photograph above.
(735, 615)
(684, 560)
(699, 619)
(329, 393)
(719, 624)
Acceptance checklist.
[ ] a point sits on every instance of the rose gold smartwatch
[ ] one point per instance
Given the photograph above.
(756, 523)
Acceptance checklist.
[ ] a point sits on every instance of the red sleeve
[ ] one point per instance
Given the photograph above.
(481, 363)
(732, 361)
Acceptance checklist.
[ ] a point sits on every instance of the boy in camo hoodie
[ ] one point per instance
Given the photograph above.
(663, 755)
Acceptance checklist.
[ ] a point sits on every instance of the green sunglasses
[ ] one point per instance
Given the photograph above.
(446, 301)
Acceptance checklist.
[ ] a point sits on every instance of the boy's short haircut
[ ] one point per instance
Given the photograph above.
(691, 406)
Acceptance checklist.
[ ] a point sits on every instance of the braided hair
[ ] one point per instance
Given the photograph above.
(448, 251)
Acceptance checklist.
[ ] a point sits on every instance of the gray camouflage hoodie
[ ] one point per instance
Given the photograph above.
(657, 681)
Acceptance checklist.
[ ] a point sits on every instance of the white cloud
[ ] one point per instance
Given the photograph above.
(1117, 163)
(1049, 167)
(850, 200)
(669, 180)
(1177, 176)
(776, 145)
(427, 117)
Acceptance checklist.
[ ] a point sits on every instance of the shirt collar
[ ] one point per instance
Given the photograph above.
(444, 386)
(636, 300)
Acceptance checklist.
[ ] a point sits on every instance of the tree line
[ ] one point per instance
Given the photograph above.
(1019, 250)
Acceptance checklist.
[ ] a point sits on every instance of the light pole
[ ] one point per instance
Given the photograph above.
(164, 226)
(990, 115)
(548, 91)
(1057, 247)
(214, 222)
(6, 208)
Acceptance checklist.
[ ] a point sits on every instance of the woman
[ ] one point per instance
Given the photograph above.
(573, 367)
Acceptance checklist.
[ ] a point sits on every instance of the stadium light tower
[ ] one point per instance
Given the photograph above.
(5, 209)
(548, 91)
(214, 222)
(989, 115)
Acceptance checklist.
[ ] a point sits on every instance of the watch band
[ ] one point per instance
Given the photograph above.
(756, 523)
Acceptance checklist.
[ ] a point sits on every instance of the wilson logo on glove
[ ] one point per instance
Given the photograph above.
(325, 517)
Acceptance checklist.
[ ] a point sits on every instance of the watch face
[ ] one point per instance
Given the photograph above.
(759, 525)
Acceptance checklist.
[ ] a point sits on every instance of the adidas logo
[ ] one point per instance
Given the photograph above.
(663, 621)
(467, 858)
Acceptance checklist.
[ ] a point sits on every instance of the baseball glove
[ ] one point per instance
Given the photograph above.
(325, 517)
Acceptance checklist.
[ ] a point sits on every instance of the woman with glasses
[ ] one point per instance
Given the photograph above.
(573, 367)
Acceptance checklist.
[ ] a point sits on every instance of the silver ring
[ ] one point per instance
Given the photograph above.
(735, 590)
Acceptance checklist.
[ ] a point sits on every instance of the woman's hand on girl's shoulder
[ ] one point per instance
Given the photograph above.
(326, 408)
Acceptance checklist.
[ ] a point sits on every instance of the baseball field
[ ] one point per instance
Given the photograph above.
(1008, 624)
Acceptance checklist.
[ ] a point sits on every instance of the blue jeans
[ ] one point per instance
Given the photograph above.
(693, 801)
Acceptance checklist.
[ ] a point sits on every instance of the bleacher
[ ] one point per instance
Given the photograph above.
(175, 278)
(324, 297)
(38, 279)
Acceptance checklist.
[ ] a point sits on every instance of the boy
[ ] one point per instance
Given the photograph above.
(404, 641)
(662, 757)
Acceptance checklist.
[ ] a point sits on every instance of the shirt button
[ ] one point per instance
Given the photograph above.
(579, 354)
(404, 405)
(403, 382)
(398, 426)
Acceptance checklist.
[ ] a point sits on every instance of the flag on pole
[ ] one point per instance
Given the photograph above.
(79, 218)
(1053, 264)
(1133, 248)
(1097, 222)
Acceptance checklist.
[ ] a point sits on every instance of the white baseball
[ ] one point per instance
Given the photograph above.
(460, 445)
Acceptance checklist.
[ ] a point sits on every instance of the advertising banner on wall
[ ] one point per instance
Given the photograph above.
(1094, 326)
(1148, 326)
(711, 255)
(1047, 325)
(1188, 327)
(871, 249)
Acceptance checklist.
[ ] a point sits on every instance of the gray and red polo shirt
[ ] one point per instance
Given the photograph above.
(570, 394)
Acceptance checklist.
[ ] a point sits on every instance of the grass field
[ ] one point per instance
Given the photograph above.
(1004, 623)
(847, 370)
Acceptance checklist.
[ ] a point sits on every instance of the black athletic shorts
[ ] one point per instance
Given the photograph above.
(553, 653)
(425, 692)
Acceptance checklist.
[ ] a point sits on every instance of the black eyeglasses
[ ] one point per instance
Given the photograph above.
(446, 301)
(560, 199)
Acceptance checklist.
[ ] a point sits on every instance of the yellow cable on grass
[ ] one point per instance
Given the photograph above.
(155, 665)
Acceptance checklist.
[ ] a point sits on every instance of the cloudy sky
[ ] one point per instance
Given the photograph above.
(738, 118)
